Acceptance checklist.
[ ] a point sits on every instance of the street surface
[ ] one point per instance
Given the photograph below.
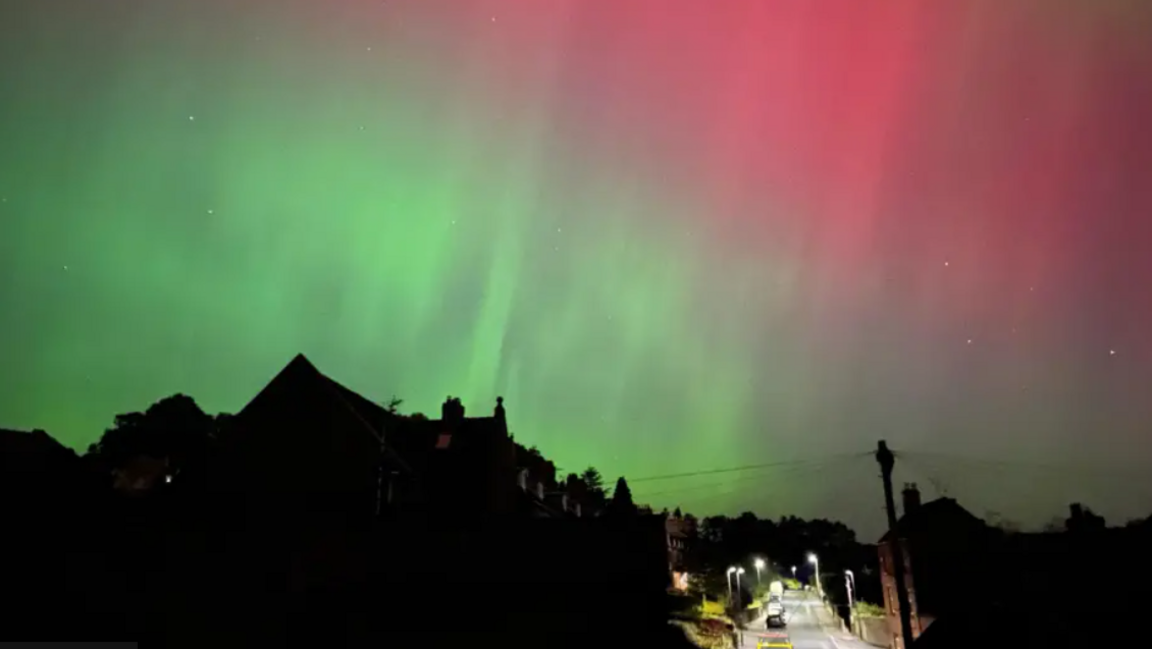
(809, 626)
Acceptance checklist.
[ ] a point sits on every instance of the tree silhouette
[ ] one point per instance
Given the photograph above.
(622, 498)
(593, 479)
(173, 429)
(594, 483)
(393, 404)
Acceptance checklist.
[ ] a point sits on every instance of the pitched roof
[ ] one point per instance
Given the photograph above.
(305, 378)
(408, 441)
(942, 512)
(22, 451)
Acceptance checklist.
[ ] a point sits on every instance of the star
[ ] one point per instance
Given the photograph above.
(211, 211)
(1111, 352)
(969, 341)
(945, 263)
(65, 268)
(369, 49)
(493, 18)
(191, 118)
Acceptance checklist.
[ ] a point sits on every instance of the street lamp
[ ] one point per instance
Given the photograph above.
(739, 596)
(759, 567)
(793, 572)
(815, 561)
(731, 571)
(850, 582)
(850, 585)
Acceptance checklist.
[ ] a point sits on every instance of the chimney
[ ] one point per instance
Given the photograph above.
(452, 411)
(911, 498)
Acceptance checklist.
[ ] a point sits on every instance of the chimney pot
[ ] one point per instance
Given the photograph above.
(911, 497)
(452, 410)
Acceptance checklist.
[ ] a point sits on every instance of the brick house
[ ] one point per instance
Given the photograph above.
(943, 546)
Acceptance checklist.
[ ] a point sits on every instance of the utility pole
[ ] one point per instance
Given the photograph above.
(887, 461)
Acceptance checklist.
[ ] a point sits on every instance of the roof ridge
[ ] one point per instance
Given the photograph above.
(334, 387)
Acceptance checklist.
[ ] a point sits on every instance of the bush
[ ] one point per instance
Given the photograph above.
(864, 609)
(708, 634)
(711, 608)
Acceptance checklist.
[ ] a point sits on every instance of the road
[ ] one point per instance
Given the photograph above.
(810, 626)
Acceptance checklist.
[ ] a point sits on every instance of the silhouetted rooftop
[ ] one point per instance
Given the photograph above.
(935, 514)
(409, 440)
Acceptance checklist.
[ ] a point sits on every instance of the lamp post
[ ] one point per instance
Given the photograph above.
(815, 561)
(850, 582)
(759, 566)
(739, 596)
(793, 572)
(731, 571)
(850, 585)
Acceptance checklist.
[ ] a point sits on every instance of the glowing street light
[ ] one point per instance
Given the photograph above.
(731, 571)
(793, 572)
(850, 582)
(759, 567)
(815, 561)
(739, 571)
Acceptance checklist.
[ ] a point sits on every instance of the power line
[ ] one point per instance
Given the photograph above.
(750, 467)
(785, 471)
(795, 472)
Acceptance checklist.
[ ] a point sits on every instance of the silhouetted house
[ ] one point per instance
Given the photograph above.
(308, 443)
(677, 531)
(305, 444)
(944, 548)
(44, 509)
(35, 469)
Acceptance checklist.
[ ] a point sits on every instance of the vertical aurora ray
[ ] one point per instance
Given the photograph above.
(673, 235)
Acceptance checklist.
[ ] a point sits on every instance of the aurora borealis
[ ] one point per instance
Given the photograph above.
(673, 235)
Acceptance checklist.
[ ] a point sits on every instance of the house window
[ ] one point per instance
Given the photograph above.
(443, 441)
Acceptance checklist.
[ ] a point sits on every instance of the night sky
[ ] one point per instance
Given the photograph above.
(675, 235)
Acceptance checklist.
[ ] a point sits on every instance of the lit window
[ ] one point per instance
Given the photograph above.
(444, 440)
